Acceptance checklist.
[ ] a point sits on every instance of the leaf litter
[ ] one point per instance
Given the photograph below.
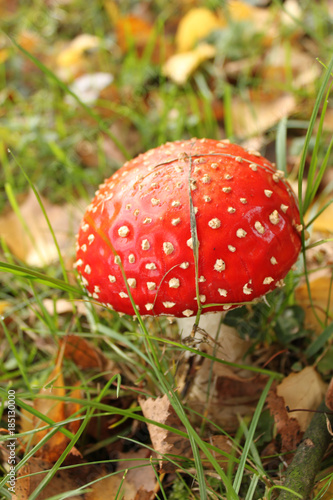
(219, 393)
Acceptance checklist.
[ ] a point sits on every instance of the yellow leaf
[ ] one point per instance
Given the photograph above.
(195, 25)
(28, 236)
(251, 118)
(180, 67)
(71, 55)
(324, 223)
(304, 390)
(320, 288)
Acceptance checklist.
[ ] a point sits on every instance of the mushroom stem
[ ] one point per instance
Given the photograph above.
(210, 325)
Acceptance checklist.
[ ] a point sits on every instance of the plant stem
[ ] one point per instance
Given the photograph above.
(301, 473)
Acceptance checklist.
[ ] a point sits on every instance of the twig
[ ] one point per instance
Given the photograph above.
(303, 469)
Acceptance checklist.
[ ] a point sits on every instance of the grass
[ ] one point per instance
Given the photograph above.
(42, 133)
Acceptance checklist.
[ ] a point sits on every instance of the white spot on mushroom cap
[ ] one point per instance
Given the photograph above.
(155, 201)
(84, 247)
(151, 285)
(268, 280)
(187, 313)
(91, 238)
(243, 200)
(184, 265)
(219, 265)
(149, 306)
(284, 208)
(268, 193)
(222, 292)
(175, 222)
(112, 279)
(201, 279)
(274, 217)
(226, 189)
(231, 210)
(85, 227)
(214, 165)
(273, 261)
(174, 283)
(259, 227)
(151, 266)
(253, 166)
(206, 179)
(214, 223)
(241, 233)
(117, 260)
(87, 269)
(246, 288)
(168, 305)
(123, 295)
(131, 258)
(168, 247)
(231, 248)
(131, 282)
(145, 245)
(175, 203)
(207, 199)
(147, 220)
(123, 231)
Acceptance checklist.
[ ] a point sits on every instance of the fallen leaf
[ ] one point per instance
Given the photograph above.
(70, 479)
(260, 113)
(72, 53)
(28, 236)
(324, 222)
(198, 23)
(72, 60)
(55, 409)
(140, 474)
(133, 31)
(286, 425)
(329, 396)
(166, 442)
(83, 353)
(180, 67)
(321, 303)
(303, 390)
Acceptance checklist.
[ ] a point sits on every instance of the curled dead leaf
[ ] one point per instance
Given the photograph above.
(304, 390)
(180, 67)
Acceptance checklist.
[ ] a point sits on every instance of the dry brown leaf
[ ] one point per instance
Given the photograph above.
(71, 479)
(180, 67)
(140, 474)
(133, 30)
(329, 396)
(198, 23)
(32, 241)
(165, 442)
(261, 113)
(57, 410)
(286, 425)
(83, 353)
(303, 390)
(168, 443)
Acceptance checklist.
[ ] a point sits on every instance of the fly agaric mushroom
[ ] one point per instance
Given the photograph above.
(191, 224)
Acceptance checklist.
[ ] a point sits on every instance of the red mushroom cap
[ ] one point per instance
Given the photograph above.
(245, 215)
